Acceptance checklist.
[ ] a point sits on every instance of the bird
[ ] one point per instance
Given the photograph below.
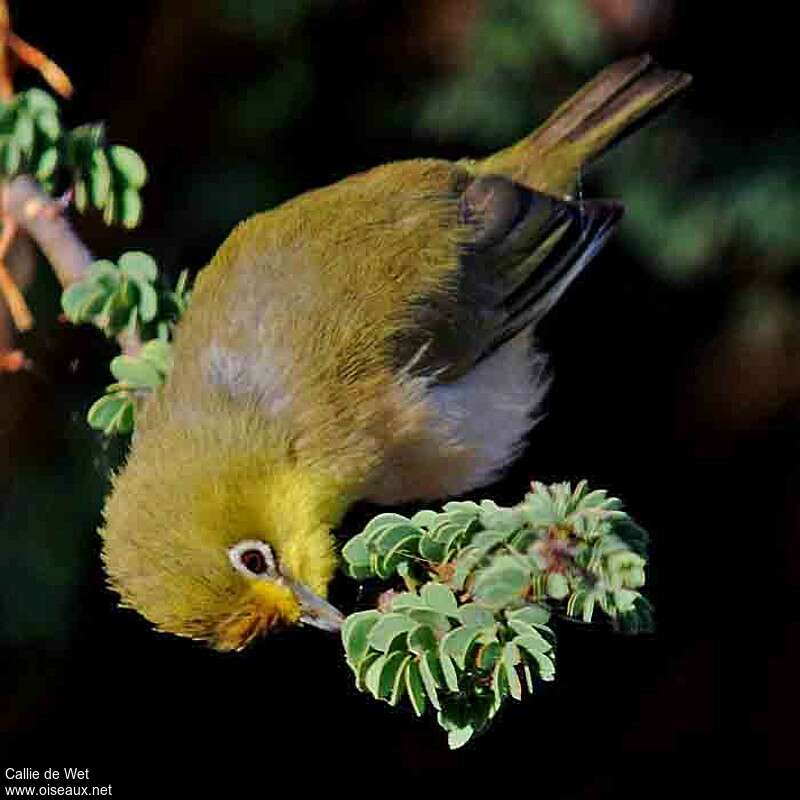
(372, 340)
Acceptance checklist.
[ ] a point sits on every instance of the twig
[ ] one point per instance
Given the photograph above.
(49, 70)
(11, 47)
(20, 313)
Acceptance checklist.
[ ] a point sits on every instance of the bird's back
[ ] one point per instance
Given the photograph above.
(383, 322)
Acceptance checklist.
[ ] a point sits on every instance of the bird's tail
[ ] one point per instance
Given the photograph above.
(610, 107)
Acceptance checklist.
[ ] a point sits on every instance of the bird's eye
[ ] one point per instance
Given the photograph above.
(253, 561)
(253, 557)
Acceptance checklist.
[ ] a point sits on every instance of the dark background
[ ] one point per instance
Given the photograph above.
(677, 387)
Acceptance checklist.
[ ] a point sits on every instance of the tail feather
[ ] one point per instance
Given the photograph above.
(610, 107)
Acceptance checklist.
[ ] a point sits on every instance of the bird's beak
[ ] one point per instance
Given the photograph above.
(316, 611)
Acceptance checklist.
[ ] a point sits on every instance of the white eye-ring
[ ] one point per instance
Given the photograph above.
(253, 558)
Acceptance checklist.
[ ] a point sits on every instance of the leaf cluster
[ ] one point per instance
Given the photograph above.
(115, 411)
(106, 177)
(126, 299)
(462, 659)
(482, 582)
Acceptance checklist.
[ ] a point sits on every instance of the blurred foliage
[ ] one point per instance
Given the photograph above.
(515, 47)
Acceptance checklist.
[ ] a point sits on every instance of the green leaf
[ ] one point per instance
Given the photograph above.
(587, 610)
(111, 208)
(379, 522)
(355, 634)
(440, 599)
(159, 354)
(448, 671)
(424, 616)
(398, 643)
(395, 542)
(128, 163)
(511, 658)
(429, 682)
(104, 271)
(434, 665)
(129, 204)
(430, 549)
(533, 642)
(49, 125)
(547, 669)
(474, 615)
(81, 195)
(40, 101)
(503, 581)
(387, 537)
(557, 586)
(79, 299)
(47, 164)
(408, 600)
(462, 511)
(112, 413)
(489, 655)
(137, 373)
(355, 552)
(421, 640)
(81, 142)
(503, 520)
(391, 673)
(499, 683)
(625, 599)
(416, 688)
(363, 668)
(526, 671)
(523, 629)
(458, 642)
(372, 678)
(11, 157)
(139, 265)
(532, 614)
(148, 301)
(99, 179)
(387, 628)
(24, 132)
(459, 737)
(424, 519)
(399, 685)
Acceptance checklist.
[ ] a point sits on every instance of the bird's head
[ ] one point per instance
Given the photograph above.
(217, 544)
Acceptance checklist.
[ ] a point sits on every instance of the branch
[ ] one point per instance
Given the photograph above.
(24, 202)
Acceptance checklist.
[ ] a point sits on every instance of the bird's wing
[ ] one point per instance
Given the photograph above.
(527, 244)
(522, 251)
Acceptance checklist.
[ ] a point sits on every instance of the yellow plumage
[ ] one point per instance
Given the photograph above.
(341, 347)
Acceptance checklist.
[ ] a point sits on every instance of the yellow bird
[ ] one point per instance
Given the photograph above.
(370, 340)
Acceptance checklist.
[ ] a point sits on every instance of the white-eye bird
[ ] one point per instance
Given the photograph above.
(369, 340)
